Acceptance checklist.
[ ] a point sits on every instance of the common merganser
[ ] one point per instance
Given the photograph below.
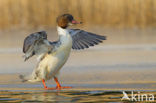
(53, 55)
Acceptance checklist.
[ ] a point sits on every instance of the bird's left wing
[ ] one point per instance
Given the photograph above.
(83, 39)
(36, 43)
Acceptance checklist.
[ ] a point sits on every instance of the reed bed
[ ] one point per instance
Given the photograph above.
(107, 13)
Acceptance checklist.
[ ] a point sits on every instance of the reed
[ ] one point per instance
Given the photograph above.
(107, 13)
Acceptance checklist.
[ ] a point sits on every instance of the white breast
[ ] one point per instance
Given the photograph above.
(57, 59)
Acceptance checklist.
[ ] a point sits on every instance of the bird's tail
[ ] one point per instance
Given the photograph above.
(29, 78)
(23, 78)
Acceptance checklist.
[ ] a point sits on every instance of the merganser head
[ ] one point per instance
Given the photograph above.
(66, 20)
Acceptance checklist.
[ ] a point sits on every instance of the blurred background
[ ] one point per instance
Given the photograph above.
(123, 21)
(105, 13)
(130, 27)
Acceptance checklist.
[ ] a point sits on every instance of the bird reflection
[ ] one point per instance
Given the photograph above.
(48, 97)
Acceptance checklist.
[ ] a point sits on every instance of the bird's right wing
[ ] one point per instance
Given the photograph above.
(36, 44)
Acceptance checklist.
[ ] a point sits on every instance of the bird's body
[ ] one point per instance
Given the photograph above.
(53, 55)
(50, 63)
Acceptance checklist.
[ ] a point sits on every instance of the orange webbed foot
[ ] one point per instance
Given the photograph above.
(63, 87)
(49, 88)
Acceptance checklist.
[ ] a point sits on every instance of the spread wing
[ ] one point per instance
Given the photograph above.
(36, 43)
(82, 39)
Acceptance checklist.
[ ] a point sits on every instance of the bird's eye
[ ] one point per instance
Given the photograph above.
(70, 18)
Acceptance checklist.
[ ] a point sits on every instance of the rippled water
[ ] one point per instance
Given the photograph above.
(63, 96)
(60, 96)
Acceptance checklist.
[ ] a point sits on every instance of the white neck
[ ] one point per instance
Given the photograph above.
(62, 31)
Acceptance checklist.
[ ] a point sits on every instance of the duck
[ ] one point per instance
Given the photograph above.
(52, 55)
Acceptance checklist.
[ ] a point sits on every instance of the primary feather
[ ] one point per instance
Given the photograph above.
(83, 39)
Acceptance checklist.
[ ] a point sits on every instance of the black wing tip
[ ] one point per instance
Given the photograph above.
(98, 36)
(101, 37)
(104, 37)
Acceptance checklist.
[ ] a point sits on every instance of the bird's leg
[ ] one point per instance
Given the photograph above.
(59, 85)
(45, 87)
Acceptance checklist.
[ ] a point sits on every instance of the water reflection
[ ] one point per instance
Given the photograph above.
(63, 96)
(59, 96)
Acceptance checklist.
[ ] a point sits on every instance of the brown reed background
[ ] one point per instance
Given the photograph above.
(108, 13)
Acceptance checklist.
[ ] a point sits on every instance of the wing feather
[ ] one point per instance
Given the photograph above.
(36, 43)
(32, 39)
(82, 39)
